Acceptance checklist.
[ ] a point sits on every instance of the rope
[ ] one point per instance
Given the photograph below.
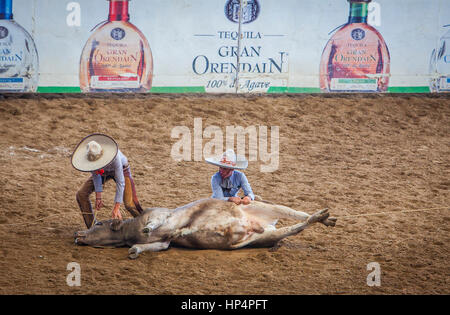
(391, 212)
(47, 217)
(32, 222)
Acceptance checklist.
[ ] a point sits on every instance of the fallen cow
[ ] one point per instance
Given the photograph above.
(205, 223)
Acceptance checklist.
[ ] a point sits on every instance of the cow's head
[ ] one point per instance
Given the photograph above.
(109, 233)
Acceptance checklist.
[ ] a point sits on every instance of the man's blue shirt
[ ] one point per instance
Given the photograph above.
(238, 180)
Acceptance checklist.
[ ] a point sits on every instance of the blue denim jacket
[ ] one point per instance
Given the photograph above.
(238, 179)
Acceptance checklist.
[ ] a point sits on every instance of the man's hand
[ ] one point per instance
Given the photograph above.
(98, 204)
(246, 200)
(236, 200)
(116, 212)
(98, 200)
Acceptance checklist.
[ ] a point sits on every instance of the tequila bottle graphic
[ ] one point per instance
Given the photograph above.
(117, 56)
(440, 65)
(19, 60)
(356, 58)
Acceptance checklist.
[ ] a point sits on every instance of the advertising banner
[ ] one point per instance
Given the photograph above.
(225, 46)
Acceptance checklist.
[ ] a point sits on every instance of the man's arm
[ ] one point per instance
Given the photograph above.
(248, 192)
(97, 179)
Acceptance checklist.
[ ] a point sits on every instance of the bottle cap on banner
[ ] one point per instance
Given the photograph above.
(6, 9)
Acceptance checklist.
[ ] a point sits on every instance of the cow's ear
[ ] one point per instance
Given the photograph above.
(116, 225)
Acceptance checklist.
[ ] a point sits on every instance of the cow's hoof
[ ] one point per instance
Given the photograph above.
(258, 198)
(133, 253)
(275, 247)
(330, 222)
(319, 216)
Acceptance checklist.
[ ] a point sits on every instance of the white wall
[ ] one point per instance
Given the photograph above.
(411, 29)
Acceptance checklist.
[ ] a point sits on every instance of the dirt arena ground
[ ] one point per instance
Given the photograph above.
(356, 155)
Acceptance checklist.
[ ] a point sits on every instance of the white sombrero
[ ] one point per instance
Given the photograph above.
(229, 159)
(94, 152)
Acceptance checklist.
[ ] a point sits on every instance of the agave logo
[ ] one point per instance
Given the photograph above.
(250, 10)
(358, 34)
(3, 32)
(117, 33)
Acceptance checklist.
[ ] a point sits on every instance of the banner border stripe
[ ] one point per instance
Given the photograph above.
(201, 89)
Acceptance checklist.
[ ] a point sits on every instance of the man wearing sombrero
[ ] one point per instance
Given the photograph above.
(227, 182)
(100, 155)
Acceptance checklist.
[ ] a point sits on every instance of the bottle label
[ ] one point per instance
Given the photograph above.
(346, 84)
(445, 84)
(12, 55)
(12, 84)
(114, 82)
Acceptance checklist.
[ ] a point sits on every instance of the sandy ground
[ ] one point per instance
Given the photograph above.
(356, 155)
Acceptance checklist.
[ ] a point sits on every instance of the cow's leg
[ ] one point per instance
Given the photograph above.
(136, 249)
(274, 211)
(154, 224)
(272, 236)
